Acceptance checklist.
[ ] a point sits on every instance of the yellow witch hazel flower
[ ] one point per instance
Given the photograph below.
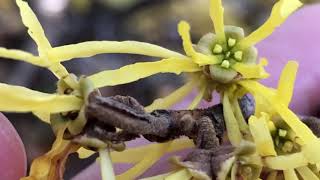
(284, 143)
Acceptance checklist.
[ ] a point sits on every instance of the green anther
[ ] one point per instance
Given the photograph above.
(287, 146)
(282, 132)
(231, 42)
(217, 49)
(228, 54)
(225, 64)
(238, 55)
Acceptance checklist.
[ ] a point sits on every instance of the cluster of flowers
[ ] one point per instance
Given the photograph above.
(225, 62)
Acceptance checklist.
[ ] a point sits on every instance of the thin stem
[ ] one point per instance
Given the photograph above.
(107, 172)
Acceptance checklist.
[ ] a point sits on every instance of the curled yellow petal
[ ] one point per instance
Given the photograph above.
(311, 151)
(183, 174)
(290, 174)
(20, 99)
(261, 135)
(91, 48)
(134, 155)
(84, 153)
(232, 126)
(244, 128)
(51, 165)
(158, 177)
(44, 116)
(280, 12)
(21, 56)
(106, 167)
(149, 159)
(35, 29)
(285, 162)
(288, 116)
(306, 173)
(134, 72)
(173, 98)
(252, 71)
(198, 98)
(200, 59)
(216, 14)
(286, 82)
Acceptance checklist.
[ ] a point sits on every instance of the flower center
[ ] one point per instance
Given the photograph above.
(227, 54)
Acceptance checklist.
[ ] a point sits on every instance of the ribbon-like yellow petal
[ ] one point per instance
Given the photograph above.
(134, 72)
(216, 14)
(290, 174)
(173, 98)
(183, 174)
(51, 165)
(44, 116)
(36, 32)
(106, 167)
(285, 162)
(149, 159)
(261, 135)
(232, 126)
(286, 82)
(244, 128)
(158, 177)
(91, 48)
(280, 12)
(200, 59)
(20, 99)
(21, 56)
(252, 71)
(84, 153)
(311, 151)
(35, 29)
(198, 98)
(134, 155)
(288, 116)
(306, 173)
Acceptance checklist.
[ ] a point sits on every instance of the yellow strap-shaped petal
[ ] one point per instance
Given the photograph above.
(36, 32)
(149, 159)
(232, 126)
(84, 153)
(158, 177)
(252, 71)
(286, 82)
(43, 116)
(91, 48)
(134, 155)
(280, 11)
(106, 167)
(306, 173)
(290, 174)
(311, 151)
(285, 162)
(173, 98)
(183, 174)
(200, 59)
(288, 116)
(20, 99)
(261, 135)
(134, 72)
(216, 14)
(196, 101)
(35, 29)
(21, 56)
(244, 128)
